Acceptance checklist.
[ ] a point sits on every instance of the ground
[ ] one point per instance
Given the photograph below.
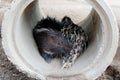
(9, 72)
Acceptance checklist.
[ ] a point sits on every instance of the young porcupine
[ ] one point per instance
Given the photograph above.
(64, 40)
(77, 36)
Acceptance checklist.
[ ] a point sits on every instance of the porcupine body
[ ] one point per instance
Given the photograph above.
(48, 30)
(78, 37)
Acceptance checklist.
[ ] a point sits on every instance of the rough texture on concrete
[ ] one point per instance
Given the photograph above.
(9, 72)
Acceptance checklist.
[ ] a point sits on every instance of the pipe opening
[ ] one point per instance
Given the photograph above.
(20, 45)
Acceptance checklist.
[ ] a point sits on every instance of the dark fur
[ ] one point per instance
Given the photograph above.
(51, 40)
(50, 23)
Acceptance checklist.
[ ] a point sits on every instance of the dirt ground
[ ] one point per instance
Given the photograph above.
(9, 72)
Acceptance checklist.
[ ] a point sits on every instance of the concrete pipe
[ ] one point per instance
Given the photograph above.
(20, 48)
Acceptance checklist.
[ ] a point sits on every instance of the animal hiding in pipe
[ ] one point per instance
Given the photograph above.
(63, 40)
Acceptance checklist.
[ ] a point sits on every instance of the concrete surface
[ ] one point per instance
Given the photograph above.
(9, 72)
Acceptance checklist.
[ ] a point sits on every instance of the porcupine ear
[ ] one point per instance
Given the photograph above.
(67, 21)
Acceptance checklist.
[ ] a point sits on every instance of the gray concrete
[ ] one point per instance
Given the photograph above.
(7, 69)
